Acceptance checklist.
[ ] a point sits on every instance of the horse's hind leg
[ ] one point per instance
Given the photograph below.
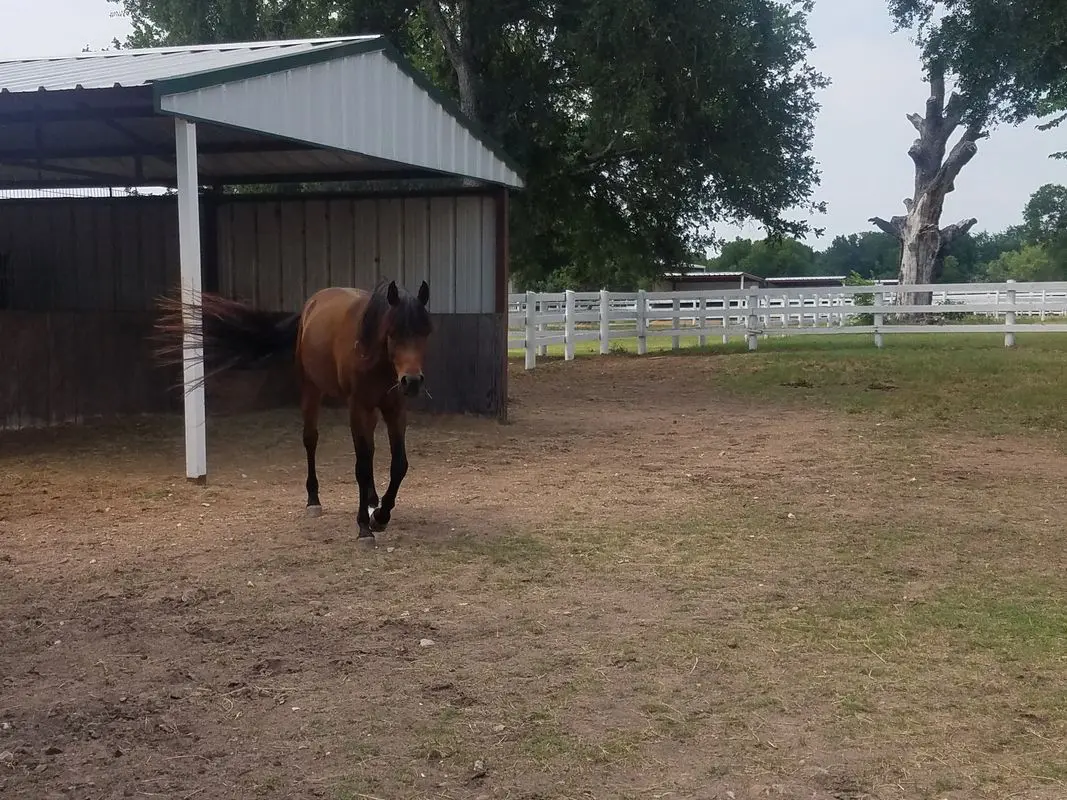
(310, 403)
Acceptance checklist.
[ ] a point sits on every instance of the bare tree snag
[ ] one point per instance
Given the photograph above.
(923, 243)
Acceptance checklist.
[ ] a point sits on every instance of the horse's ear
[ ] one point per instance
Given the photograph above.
(424, 293)
(393, 294)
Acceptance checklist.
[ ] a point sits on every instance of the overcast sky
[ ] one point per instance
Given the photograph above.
(862, 135)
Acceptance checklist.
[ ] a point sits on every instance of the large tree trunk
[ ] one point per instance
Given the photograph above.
(456, 38)
(924, 243)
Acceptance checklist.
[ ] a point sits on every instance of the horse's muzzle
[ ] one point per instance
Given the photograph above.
(411, 385)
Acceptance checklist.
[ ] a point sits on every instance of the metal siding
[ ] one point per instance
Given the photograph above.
(87, 265)
(468, 255)
(104, 228)
(293, 260)
(391, 239)
(488, 260)
(416, 242)
(61, 255)
(130, 283)
(224, 242)
(365, 244)
(268, 246)
(317, 224)
(359, 103)
(443, 255)
(245, 217)
(342, 243)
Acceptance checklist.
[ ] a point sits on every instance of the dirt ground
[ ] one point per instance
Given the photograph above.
(640, 587)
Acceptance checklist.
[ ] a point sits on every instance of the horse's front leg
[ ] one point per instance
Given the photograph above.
(362, 422)
(396, 423)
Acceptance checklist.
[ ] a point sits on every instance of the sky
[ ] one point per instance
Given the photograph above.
(861, 136)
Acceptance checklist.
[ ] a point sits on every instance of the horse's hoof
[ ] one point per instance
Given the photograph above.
(314, 511)
(377, 525)
(367, 541)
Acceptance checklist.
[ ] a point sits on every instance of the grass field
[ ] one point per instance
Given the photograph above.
(817, 571)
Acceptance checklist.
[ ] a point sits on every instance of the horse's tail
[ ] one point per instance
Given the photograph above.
(230, 335)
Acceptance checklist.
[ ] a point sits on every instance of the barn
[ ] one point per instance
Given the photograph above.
(424, 196)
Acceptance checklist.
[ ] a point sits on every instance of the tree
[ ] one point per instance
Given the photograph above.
(924, 244)
(639, 122)
(1008, 56)
(870, 254)
(773, 257)
(1045, 215)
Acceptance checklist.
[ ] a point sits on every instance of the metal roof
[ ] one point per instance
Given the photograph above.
(125, 68)
(345, 108)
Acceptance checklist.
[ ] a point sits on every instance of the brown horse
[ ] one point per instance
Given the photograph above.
(364, 348)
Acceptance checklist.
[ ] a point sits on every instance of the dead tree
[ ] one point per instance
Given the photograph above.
(923, 242)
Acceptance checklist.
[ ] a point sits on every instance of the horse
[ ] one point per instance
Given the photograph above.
(365, 348)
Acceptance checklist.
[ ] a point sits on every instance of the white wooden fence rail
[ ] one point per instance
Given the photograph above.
(539, 319)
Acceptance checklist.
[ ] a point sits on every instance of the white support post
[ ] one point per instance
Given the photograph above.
(189, 254)
(703, 306)
(753, 321)
(878, 324)
(1009, 318)
(726, 320)
(676, 323)
(642, 322)
(531, 330)
(605, 323)
(568, 326)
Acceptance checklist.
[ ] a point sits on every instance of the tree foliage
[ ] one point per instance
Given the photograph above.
(639, 122)
(1008, 56)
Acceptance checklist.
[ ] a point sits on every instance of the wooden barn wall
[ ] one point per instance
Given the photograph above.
(87, 254)
(79, 279)
(274, 253)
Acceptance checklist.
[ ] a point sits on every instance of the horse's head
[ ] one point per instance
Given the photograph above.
(406, 327)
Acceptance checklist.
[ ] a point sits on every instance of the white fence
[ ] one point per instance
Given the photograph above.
(537, 320)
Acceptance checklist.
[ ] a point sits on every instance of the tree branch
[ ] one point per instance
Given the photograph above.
(935, 105)
(956, 230)
(894, 227)
(954, 111)
(917, 122)
(443, 31)
(957, 159)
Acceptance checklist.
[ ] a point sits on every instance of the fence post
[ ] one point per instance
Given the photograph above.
(878, 321)
(676, 323)
(605, 322)
(703, 306)
(1009, 318)
(753, 321)
(642, 335)
(568, 326)
(531, 330)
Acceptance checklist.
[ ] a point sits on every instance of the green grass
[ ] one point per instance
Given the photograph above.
(966, 381)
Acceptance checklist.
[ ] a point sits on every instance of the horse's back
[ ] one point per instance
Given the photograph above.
(328, 334)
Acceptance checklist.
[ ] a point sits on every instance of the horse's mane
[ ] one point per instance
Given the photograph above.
(410, 318)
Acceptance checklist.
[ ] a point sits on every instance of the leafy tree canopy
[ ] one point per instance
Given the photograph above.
(1009, 57)
(639, 122)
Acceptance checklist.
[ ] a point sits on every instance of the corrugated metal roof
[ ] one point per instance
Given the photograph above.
(129, 68)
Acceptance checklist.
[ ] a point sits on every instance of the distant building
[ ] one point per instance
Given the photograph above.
(695, 280)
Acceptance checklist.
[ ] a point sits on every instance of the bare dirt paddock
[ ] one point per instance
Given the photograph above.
(642, 587)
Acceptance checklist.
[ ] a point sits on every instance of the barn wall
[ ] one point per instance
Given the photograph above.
(79, 279)
(275, 253)
(88, 254)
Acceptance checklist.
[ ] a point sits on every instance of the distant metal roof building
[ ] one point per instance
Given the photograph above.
(301, 110)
